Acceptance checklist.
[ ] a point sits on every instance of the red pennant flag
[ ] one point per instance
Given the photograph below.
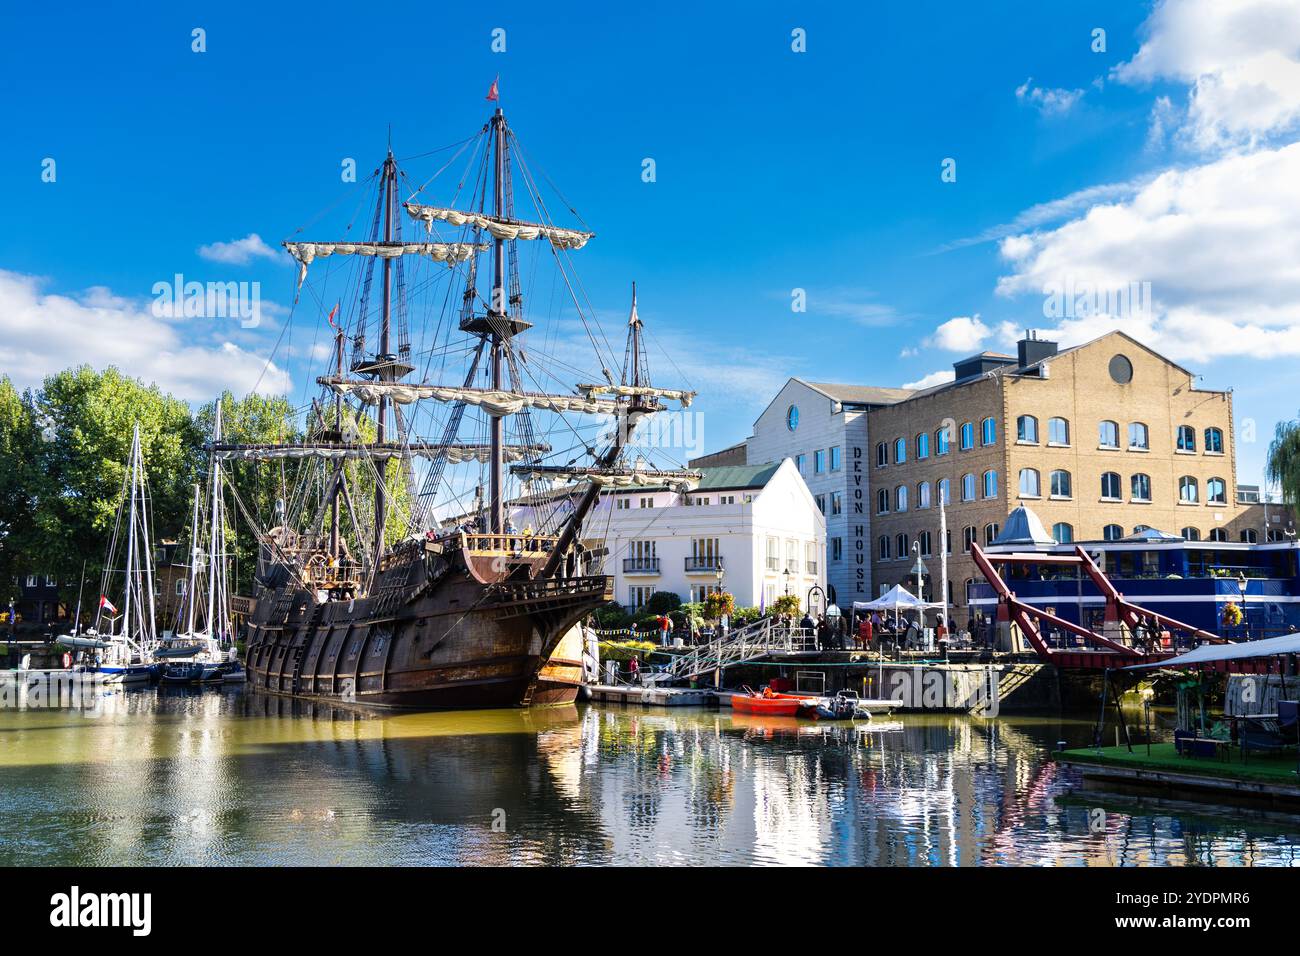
(493, 93)
(330, 318)
(106, 603)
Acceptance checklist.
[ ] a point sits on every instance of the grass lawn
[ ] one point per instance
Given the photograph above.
(1263, 766)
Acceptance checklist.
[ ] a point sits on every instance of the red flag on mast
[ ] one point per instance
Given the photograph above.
(330, 318)
(104, 602)
(493, 93)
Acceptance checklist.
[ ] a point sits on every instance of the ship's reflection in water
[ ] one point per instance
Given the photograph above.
(232, 777)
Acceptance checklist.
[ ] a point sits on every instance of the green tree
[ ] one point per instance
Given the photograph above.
(662, 602)
(86, 420)
(18, 437)
(1284, 461)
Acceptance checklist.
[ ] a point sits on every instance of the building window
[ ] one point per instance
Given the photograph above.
(1216, 491)
(623, 504)
(967, 487)
(835, 458)
(882, 501)
(967, 436)
(637, 595)
(1190, 534)
(923, 495)
(1027, 429)
(882, 454)
(1140, 487)
(1250, 536)
(968, 535)
(1058, 431)
(990, 534)
(180, 587)
(801, 462)
(1186, 438)
(903, 546)
(1139, 528)
(773, 554)
(923, 445)
(821, 503)
(837, 549)
(1108, 434)
(31, 580)
(1275, 535)
(1029, 483)
(837, 503)
(900, 498)
(924, 540)
(726, 499)
(647, 502)
(1188, 493)
(990, 484)
(1218, 534)
(810, 557)
(1060, 484)
(701, 501)
(988, 431)
(819, 462)
(792, 556)
(944, 496)
(947, 541)
(883, 546)
(1214, 441)
(941, 439)
(1112, 532)
(1110, 486)
(1063, 532)
(900, 451)
(1138, 438)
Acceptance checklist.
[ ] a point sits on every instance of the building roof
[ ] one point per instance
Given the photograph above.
(1023, 527)
(736, 476)
(860, 394)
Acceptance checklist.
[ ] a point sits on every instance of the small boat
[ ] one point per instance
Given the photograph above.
(768, 703)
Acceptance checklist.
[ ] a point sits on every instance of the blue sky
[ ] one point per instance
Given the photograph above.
(775, 170)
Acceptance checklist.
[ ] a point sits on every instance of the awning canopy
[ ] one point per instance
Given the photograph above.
(897, 598)
(1212, 653)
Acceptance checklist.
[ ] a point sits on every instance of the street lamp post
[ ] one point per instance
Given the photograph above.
(919, 569)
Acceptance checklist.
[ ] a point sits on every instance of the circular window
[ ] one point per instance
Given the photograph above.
(792, 417)
(1121, 369)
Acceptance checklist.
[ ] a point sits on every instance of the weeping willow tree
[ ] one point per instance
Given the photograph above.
(1284, 461)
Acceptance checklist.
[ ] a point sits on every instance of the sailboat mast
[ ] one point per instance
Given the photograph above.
(338, 471)
(498, 309)
(214, 530)
(130, 537)
(385, 362)
(190, 593)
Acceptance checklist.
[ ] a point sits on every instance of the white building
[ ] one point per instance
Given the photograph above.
(753, 530)
(823, 428)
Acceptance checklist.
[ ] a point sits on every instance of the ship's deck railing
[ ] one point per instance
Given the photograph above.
(510, 543)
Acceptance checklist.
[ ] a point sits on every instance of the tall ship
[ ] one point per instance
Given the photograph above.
(427, 549)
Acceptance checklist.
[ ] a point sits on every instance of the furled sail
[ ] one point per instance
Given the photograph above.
(308, 252)
(455, 454)
(614, 477)
(673, 394)
(500, 228)
(496, 402)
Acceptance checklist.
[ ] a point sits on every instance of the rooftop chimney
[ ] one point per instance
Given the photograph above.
(1031, 349)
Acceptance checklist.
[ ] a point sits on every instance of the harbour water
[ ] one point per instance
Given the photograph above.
(233, 777)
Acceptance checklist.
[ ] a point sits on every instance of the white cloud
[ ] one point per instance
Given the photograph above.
(42, 333)
(1048, 102)
(238, 252)
(1054, 210)
(1216, 242)
(933, 379)
(857, 305)
(1241, 60)
(964, 333)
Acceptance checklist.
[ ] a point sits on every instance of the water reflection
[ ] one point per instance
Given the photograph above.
(229, 776)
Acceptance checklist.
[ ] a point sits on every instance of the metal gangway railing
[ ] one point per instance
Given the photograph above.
(749, 643)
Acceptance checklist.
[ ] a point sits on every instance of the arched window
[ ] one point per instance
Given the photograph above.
(900, 498)
(923, 445)
(1190, 534)
(1249, 536)
(1027, 429)
(967, 436)
(990, 533)
(924, 540)
(1188, 491)
(1029, 483)
(1112, 532)
(967, 487)
(1110, 486)
(1214, 441)
(1139, 528)
(1140, 487)
(1063, 532)
(1216, 491)
(1218, 534)
(1058, 431)
(882, 501)
(923, 495)
(988, 432)
(990, 484)
(1186, 438)
(882, 454)
(900, 451)
(902, 546)
(941, 439)
(944, 495)
(1275, 535)
(968, 537)
(1138, 438)
(1061, 484)
(1108, 434)
(882, 546)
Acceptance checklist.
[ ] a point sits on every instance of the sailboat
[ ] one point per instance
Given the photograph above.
(204, 653)
(425, 601)
(117, 647)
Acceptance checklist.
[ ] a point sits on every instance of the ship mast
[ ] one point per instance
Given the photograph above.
(386, 367)
(498, 311)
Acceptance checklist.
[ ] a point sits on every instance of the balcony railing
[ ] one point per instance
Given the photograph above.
(704, 565)
(640, 565)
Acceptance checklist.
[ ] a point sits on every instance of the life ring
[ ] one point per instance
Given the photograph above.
(67, 660)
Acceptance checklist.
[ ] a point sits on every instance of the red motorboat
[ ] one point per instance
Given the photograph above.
(773, 705)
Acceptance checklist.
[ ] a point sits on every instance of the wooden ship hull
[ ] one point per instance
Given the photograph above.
(561, 675)
(441, 631)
